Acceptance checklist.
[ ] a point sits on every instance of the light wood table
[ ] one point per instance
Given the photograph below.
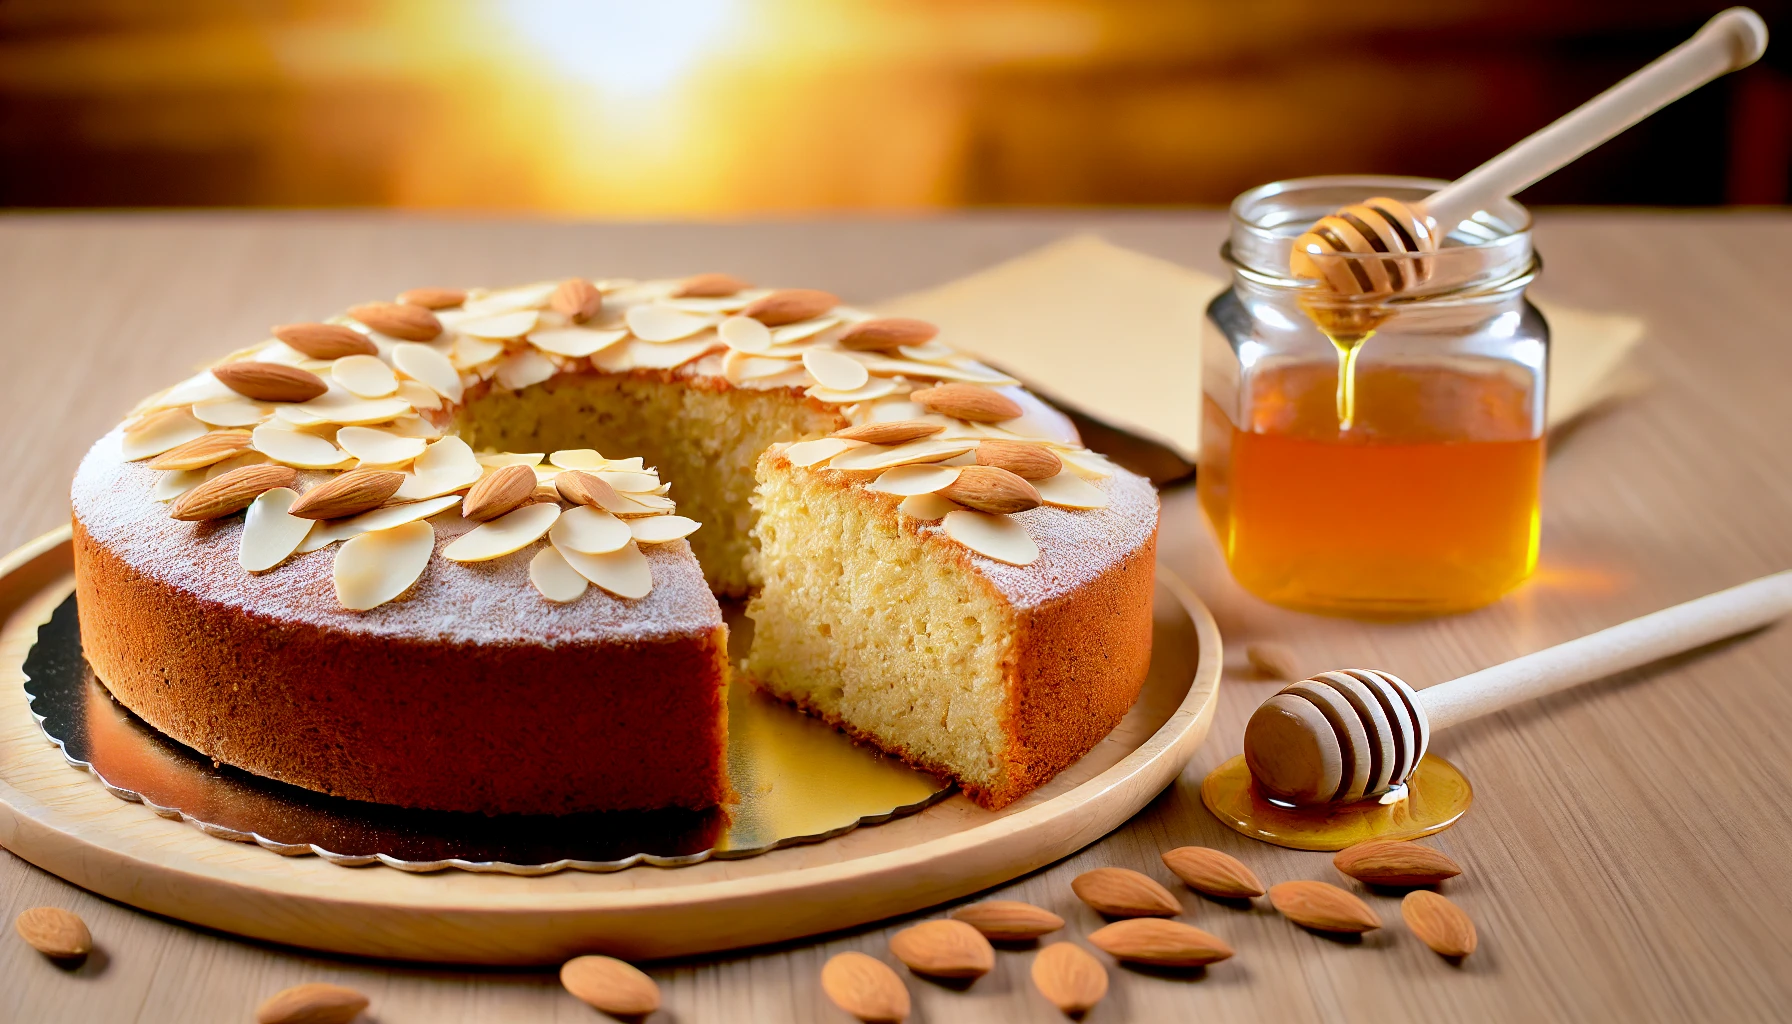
(1626, 858)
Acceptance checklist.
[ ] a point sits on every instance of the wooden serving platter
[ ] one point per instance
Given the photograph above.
(62, 820)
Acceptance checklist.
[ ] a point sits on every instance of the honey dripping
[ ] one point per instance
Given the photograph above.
(1433, 799)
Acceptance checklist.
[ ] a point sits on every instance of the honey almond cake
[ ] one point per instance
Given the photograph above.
(461, 551)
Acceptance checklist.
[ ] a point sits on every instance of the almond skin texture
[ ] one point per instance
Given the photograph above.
(944, 949)
(398, 320)
(270, 382)
(1156, 940)
(1067, 975)
(1323, 907)
(789, 305)
(1213, 873)
(230, 493)
(710, 286)
(892, 432)
(434, 298)
(1395, 863)
(498, 493)
(352, 493)
(1009, 920)
(887, 332)
(988, 489)
(582, 488)
(1027, 461)
(56, 933)
(968, 402)
(1120, 892)
(865, 987)
(577, 299)
(1438, 923)
(315, 1003)
(203, 451)
(610, 985)
(326, 341)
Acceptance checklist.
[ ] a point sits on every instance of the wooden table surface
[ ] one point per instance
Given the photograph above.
(1627, 855)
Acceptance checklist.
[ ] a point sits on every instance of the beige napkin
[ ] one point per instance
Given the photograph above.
(1079, 317)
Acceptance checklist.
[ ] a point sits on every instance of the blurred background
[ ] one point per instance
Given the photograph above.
(737, 107)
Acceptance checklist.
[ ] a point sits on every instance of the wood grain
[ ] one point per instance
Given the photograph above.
(1625, 856)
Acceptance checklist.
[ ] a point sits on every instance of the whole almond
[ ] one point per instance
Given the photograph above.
(313, 1003)
(326, 341)
(231, 492)
(1009, 920)
(577, 299)
(608, 984)
(988, 489)
(710, 286)
(398, 320)
(1271, 660)
(1323, 907)
(865, 987)
(498, 493)
(1025, 460)
(789, 305)
(434, 298)
(56, 933)
(1395, 862)
(1067, 975)
(1155, 940)
(883, 333)
(270, 382)
(351, 493)
(1213, 873)
(203, 451)
(968, 402)
(582, 488)
(1122, 892)
(1438, 923)
(944, 949)
(890, 432)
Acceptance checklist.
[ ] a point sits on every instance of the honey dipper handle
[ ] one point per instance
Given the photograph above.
(1626, 646)
(1732, 40)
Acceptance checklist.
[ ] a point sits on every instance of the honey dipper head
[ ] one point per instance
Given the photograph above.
(1379, 231)
(1337, 737)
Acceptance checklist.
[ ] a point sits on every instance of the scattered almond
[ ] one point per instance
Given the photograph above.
(351, 493)
(583, 488)
(577, 299)
(1067, 975)
(1271, 660)
(789, 305)
(434, 298)
(56, 933)
(865, 987)
(398, 320)
(499, 492)
(989, 489)
(270, 382)
(710, 286)
(312, 1003)
(230, 493)
(203, 451)
(944, 949)
(1122, 892)
(608, 984)
(890, 432)
(326, 341)
(1213, 873)
(1008, 920)
(1438, 923)
(1323, 907)
(1165, 943)
(968, 402)
(1027, 461)
(1395, 862)
(887, 332)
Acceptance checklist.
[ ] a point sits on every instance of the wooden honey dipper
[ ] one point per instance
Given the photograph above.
(1732, 40)
(1356, 734)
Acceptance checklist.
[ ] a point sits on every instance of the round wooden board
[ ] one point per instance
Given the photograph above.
(62, 820)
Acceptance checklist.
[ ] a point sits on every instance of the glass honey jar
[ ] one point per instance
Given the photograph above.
(1374, 456)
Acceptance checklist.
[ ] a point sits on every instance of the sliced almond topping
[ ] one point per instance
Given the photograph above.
(1085, 463)
(428, 366)
(365, 376)
(511, 531)
(326, 341)
(1025, 460)
(656, 323)
(590, 531)
(998, 537)
(201, 387)
(575, 342)
(170, 486)
(930, 507)
(203, 451)
(232, 412)
(811, 453)
(342, 407)
(159, 432)
(499, 492)
(306, 451)
(877, 387)
(557, 580)
(270, 533)
(421, 396)
(445, 466)
(1067, 490)
(878, 457)
(967, 373)
(398, 320)
(377, 567)
(270, 382)
(326, 533)
(500, 326)
(887, 332)
(576, 299)
(349, 494)
(230, 493)
(641, 355)
(434, 298)
(630, 483)
(623, 572)
(912, 480)
(661, 529)
(788, 305)
(834, 371)
(498, 460)
(525, 367)
(471, 350)
(379, 447)
(745, 334)
(891, 432)
(802, 330)
(968, 402)
(709, 286)
(503, 300)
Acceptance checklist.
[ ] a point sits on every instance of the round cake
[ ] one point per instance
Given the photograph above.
(461, 551)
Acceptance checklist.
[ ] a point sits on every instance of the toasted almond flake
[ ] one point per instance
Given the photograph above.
(657, 323)
(887, 367)
(483, 302)
(661, 529)
(796, 377)
(579, 458)
(636, 354)
(205, 450)
(447, 465)
(498, 460)
(170, 486)
(327, 533)
(555, 577)
(378, 567)
(379, 447)
(913, 480)
(428, 366)
(364, 376)
(930, 507)
(470, 351)
(879, 457)
(931, 352)
(500, 326)
(623, 572)
(232, 412)
(421, 396)
(790, 334)
(630, 483)
(1085, 463)
(835, 371)
(161, 432)
(306, 451)
(511, 531)
(525, 367)
(344, 408)
(270, 534)
(903, 409)
(740, 368)
(745, 334)
(1067, 490)
(201, 387)
(876, 388)
(992, 536)
(810, 453)
(413, 426)
(590, 531)
(577, 342)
